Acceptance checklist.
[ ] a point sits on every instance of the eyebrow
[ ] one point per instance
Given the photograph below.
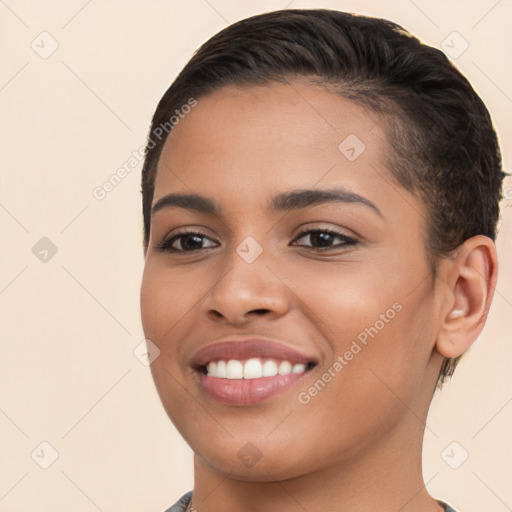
(286, 201)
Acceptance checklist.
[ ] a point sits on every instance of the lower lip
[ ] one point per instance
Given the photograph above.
(247, 391)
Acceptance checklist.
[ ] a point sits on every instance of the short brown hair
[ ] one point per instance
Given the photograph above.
(444, 146)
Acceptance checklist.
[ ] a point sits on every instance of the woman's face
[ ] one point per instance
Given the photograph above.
(336, 289)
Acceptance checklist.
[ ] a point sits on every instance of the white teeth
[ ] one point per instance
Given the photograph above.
(221, 369)
(212, 368)
(253, 368)
(299, 368)
(285, 368)
(234, 369)
(269, 368)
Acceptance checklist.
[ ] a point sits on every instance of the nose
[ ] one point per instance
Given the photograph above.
(245, 291)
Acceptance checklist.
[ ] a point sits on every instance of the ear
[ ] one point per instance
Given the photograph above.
(470, 276)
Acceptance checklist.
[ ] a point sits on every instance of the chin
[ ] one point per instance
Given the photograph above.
(270, 467)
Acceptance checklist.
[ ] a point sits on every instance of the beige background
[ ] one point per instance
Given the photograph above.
(69, 325)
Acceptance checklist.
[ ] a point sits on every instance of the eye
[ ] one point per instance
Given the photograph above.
(322, 239)
(186, 241)
(189, 241)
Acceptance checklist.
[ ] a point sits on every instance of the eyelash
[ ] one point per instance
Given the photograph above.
(166, 244)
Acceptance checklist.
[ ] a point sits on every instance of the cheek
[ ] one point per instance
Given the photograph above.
(344, 302)
(165, 304)
(167, 299)
(381, 329)
(374, 380)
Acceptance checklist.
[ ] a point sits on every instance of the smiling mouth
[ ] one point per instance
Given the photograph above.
(249, 371)
(249, 382)
(253, 368)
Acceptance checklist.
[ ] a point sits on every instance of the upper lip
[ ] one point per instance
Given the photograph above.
(247, 348)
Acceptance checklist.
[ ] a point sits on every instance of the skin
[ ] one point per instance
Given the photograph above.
(357, 444)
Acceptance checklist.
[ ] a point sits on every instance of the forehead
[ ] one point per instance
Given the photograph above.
(261, 138)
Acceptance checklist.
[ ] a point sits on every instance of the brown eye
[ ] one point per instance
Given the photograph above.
(324, 239)
(184, 242)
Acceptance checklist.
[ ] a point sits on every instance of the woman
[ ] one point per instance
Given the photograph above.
(320, 197)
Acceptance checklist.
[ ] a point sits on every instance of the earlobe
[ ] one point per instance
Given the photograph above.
(471, 280)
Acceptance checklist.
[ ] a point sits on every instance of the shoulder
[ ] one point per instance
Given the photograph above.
(447, 507)
(181, 504)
